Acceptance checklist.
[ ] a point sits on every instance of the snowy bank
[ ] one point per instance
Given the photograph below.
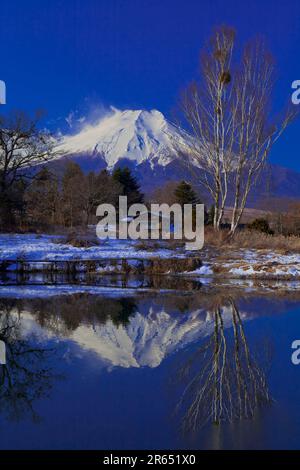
(33, 247)
(252, 264)
(45, 253)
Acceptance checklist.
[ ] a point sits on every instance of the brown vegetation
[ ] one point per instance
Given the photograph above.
(252, 240)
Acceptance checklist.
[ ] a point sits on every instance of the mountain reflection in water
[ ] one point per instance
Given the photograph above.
(220, 376)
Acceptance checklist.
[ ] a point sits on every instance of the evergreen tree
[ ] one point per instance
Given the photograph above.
(130, 186)
(185, 194)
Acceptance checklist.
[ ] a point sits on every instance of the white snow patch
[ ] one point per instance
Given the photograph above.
(33, 247)
(262, 263)
(204, 270)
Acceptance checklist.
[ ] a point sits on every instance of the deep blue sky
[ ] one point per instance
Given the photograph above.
(60, 55)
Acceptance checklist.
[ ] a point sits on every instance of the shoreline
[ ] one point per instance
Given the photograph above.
(49, 254)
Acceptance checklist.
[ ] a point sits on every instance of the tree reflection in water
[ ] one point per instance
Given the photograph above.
(63, 315)
(223, 381)
(25, 377)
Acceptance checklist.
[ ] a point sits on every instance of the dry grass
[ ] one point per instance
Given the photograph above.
(150, 245)
(252, 240)
(147, 245)
(79, 240)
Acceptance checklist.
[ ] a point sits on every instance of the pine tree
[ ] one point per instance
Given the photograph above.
(185, 194)
(130, 186)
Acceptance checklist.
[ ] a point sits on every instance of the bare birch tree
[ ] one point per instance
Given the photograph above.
(255, 130)
(227, 115)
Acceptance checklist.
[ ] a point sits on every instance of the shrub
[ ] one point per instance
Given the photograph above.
(261, 225)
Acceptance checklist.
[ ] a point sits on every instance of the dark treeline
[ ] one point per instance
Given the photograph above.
(51, 199)
(71, 200)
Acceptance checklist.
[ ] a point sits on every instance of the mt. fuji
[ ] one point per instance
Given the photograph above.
(146, 142)
(136, 136)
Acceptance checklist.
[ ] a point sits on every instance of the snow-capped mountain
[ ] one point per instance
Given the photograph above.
(147, 142)
(136, 136)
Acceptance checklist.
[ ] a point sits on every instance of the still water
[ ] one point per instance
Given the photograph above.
(205, 368)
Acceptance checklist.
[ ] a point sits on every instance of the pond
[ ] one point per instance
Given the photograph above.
(116, 367)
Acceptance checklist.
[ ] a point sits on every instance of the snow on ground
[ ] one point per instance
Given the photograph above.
(205, 270)
(33, 247)
(252, 264)
(236, 264)
(262, 263)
